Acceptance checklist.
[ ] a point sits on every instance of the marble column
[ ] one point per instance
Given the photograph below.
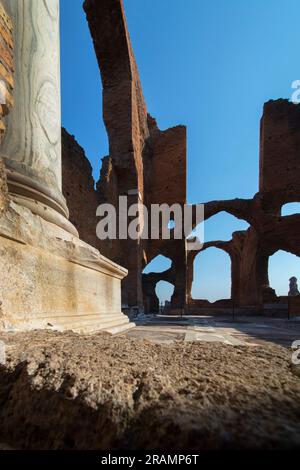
(50, 279)
(32, 145)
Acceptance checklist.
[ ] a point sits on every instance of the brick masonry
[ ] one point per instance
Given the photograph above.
(6, 67)
(145, 163)
(153, 164)
(6, 90)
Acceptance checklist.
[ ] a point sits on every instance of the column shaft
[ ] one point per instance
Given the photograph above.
(32, 145)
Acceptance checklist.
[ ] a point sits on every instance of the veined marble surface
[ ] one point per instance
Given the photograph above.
(33, 137)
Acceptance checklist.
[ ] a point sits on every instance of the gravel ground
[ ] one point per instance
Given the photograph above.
(69, 391)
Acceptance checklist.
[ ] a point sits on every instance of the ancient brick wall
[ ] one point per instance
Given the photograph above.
(125, 118)
(279, 150)
(124, 109)
(6, 89)
(279, 182)
(137, 149)
(168, 175)
(78, 189)
(6, 67)
(150, 166)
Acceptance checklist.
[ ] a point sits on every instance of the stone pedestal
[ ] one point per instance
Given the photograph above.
(49, 277)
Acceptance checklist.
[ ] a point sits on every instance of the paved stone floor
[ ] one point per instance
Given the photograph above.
(244, 330)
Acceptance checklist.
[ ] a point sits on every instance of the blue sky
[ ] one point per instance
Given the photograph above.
(208, 64)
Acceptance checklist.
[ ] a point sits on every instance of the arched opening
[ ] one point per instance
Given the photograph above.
(164, 291)
(159, 264)
(219, 227)
(290, 208)
(212, 275)
(283, 266)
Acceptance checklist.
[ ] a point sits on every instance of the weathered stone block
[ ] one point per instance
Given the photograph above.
(51, 279)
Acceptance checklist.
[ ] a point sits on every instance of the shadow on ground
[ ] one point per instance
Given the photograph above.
(68, 391)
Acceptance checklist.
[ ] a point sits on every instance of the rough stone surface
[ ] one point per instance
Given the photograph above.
(65, 391)
(54, 280)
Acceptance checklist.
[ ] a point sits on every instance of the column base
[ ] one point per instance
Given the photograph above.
(26, 189)
(51, 279)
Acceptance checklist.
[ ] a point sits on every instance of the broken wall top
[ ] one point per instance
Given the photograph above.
(279, 150)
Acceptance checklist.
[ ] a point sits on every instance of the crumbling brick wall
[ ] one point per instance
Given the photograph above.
(6, 89)
(149, 166)
(145, 164)
(6, 67)
(83, 196)
(79, 188)
(279, 150)
(168, 175)
(137, 149)
(279, 183)
(166, 148)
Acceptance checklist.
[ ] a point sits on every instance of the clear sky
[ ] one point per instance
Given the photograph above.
(208, 64)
